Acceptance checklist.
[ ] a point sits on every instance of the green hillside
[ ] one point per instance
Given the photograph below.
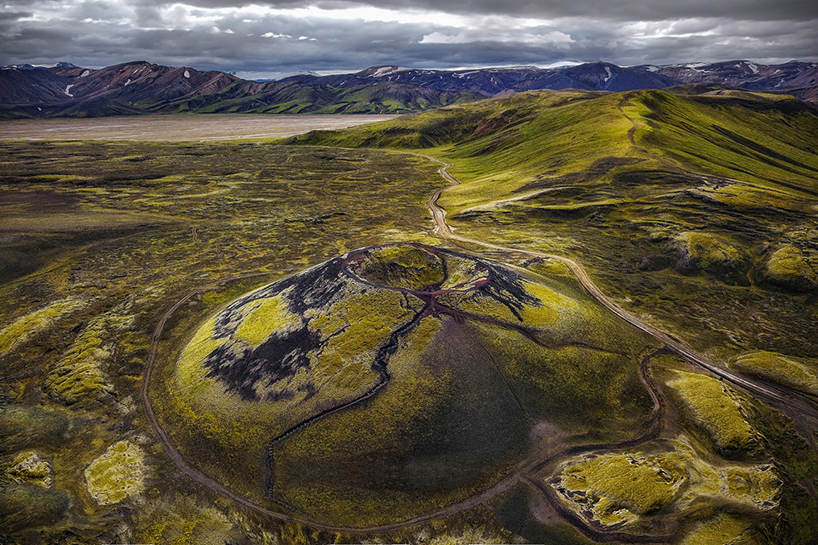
(720, 185)
(502, 145)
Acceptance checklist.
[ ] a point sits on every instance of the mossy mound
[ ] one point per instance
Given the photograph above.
(28, 468)
(702, 252)
(792, 268)
(718, 411)
(118, 474)
(394, 380)
(779, 368)
(631, 488)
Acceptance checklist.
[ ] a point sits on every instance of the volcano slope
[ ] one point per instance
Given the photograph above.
(393, 381)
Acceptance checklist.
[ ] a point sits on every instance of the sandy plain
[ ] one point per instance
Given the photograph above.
(179, 128)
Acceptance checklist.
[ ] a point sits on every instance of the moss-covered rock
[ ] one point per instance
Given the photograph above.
(28, 467)
(705, 253)
(778, 368)
(723, 529)
(618, 488)
(79, 374)
(20, 330)
(791, 268)
(718, 411)
(628, 488)
(117, 474)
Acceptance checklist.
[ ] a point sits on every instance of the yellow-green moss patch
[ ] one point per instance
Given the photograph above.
(722, 530)
(624, 488)
(28, 467)
(617, 487)
(778, 368)
(712, 254)
(182, 522)
(791, 267)
(717, 410)
(79, 374)
(24, 327)
(354, 328)
(264, 316)
(117, 474)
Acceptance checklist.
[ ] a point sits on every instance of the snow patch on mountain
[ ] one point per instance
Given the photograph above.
(388, 71)
(68, 89)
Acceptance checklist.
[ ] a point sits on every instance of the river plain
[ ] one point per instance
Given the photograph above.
(180, 128)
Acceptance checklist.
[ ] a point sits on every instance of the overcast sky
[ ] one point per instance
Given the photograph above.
(260, 37)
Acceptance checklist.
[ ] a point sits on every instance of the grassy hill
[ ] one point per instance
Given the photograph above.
(540, 135)
(698, 183)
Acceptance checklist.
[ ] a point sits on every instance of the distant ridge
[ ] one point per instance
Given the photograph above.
(597, 76)
(141, 87)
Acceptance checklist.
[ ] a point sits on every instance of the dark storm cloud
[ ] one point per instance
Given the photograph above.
(645, 10)
(14, 15)
(273, 35)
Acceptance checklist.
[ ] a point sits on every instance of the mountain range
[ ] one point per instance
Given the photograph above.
(140, 87)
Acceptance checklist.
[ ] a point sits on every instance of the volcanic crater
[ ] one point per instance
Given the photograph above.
(395, 380)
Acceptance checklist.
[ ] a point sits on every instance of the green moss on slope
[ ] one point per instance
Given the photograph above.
(23, 328)
(778, 368)
(630, 488)
(119, 473)
(792, 268)
(718, 411)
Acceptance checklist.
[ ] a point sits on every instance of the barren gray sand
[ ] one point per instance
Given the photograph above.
(179, 128)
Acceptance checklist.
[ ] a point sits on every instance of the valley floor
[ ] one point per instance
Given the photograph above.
(180, 128)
